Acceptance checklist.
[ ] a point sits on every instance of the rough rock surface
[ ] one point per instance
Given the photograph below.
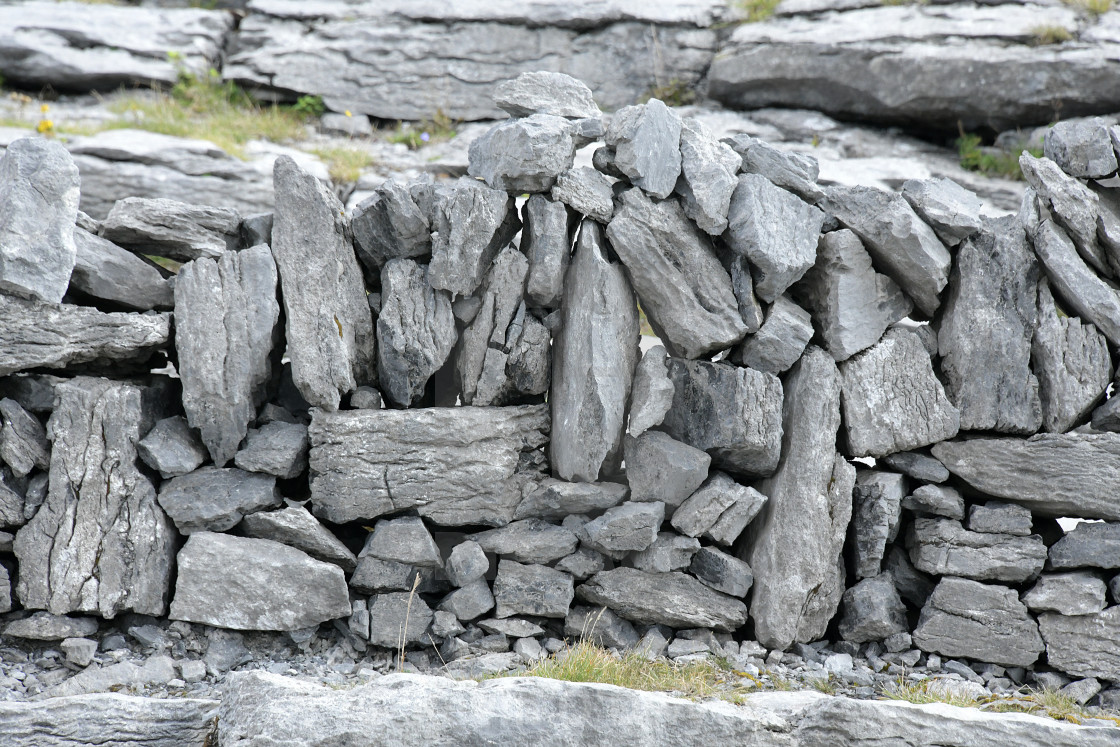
(872, 610)
(722, 572)
(538, 590)
(708, 176)
(558, 499)
(951, 210)
(546, 93)
(1071, 204)
(415, 331)
(945, 548)
(386, 617)
(471, 224)
(171, 228)
(546, 240)
(1073, 593)
(629, 527)
(1083, 645)
(106, 272)
(796, 172)
(172, 448)
(1095, 545)
(652, 392)
(1081, 148)
(780, 341)
(523, 155)
(213, 499)
(528, 541)
(23, 440)
(646, 143)
(672, 599)
(876, 512)
(276, 448)
(296, 526)
(660, 468)
(389, 225)
(699, 513)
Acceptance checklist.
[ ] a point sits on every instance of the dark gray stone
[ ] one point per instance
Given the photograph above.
(34, 392)
(405, 540)
(669, 552)
(660, 468)
(1092, 545)
(256, 229)
(23, 440)
(999, 518)
(558, 499)
(582, 564)
(913, 585)
(546, 239)
(13, 503)
(174, 229)
(172, 448)
(624, 528)
(396, 616)
(531, 590)
(104, 271)
(943, 547)
(214, 500)
(1081, 148)
(470, 601)
(1074, 593)
(722, 572)
(471, 224)
(296, 526)
(646, 143)
(587, 192)
(389, 225)
(466, 563)
(796, 172)
(375, 576)
(951, 210)
(601, 627)
(674, 599)
(708, 176)
(545, 93)
(876, 512)
(275, 448)
(742, 285)
(872, 610)
(1083, 645)
(528, 541)
(919, 466)
(780, 341)
(523, 155)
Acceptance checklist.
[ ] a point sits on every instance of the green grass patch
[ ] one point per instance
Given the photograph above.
(1046, 35)
(674, 93)
(344, 162)
(1092, 7)
(416, 135)
(989, 160)
(756, 10)
(923, 693)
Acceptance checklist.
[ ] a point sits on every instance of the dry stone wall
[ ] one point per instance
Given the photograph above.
(434, 421)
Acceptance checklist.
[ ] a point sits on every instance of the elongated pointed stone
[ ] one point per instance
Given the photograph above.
(708, 176)
(482, 355)
(683, 288)
(295, 526)
(528, 541)
(1074, 282)
(876, 511)
(105, 271)
(547, 241)
(330, 334)
(226, 326)
(652, 395)
(1073, 206)
(951, 210)
(558, 499)
(646, 142)
(170, 228)
(587, 192)
(672, 599)
(594, 355)
(23, 440)
(796, 172)
(471, 223)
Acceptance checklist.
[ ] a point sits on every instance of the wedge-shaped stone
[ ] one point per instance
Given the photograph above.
(523, 155)
(470, 224)
(528, 541)
(951, 210)
(742, 285)
(594, 355)
(1073, 206)
(795, 543)
(1072, 474)
(919, 466)
(704, 508)
(276, 448)
(708, 176)
(104, 271)
(99, 543)
(405, 540)
(646, 142)
(545, 93)
(978, 621)
(546, 239)
(388, 225)
(629, 527)
(900, 243)
(660, 468)
(23, 440)
(984, 336)
(587, 192)
(680, 282)
(295, 526)
(174, 229)
(330, 334)
(214, 500)
(1081, 148)
(558, 499)
(1075, 593)
(669, 552)
(672, 599)
(1083, 645)
(943, 547)
(876, 511)
(277, 587)
(1000, 518)
(796, 172)
(892, 399)
(722, 572)
(652, 394)
(738, 515)
(1075, 283)
(780, 341)
(226, 328)
(172, 448)
(733, 413)
(46, 335)
(461, 465)
(1093, 545)
(531, 590)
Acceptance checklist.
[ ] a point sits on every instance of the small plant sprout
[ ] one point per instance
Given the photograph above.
(407, 613)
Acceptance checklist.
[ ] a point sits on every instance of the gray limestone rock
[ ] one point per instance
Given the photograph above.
(978, 621)
(776, 230)
(722, 572)
(669, 552)
(99, 543)
(660, 468)
(546, 239)
(913, 585)
(951, 210)
(275, 448)
(1074, 593)
(277, 587)
(172, 448)
(624, 528)
(699, 513)
(43, 626)
(708, 176)
(984, 335)
(796, 172)
(1075, 283)
(470, 601)
(389, 225)
(601, 627)
(780, 341)
(214, 500)
(365, 398)
(742, 285)
(652, 393)
(851, 304)
(415, 331)
(531, 590)
(23, 440)
(738, 515)
(919, 466)
(1083, 645)
(466, 563)
(256, 229)
(558, 499)
(34, 392)
(1089, 544)
(674, 599)
(528, 365)
(878, 418)
(684, 290)
(388, 615)
(470, 224)
(55, 336)
(39, 191)
(405, 540)
(876, 512)
(455, 466)
(528, 541)
(943, 547)
(872, 610)
(1072, 363)
(646, 143)
(583, 563)
(174, 229)
(1072, 205)
(1070, 474)
(296, 526)
(13, 501)
(226, 328)
(900, 243)
(1107, 416)
(523, 155)
(733, 413)
(586, 191)
(330, 333)
(594, 354)
(545, 93)
(1000, 518)
(374, 576)
(1081, 148)
(795, 543)
(104, 271)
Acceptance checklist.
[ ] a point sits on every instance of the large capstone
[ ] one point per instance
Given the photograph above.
(523, 155)
(174, 229)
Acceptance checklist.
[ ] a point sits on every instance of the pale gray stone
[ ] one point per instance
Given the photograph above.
(919, 466)
(876, 512)
(275, 448)
(1074, 593)
(1082, 691)
(388, 615)
(951, 210)
(1000, 518)
(531, 590)
(43, 626)
(878, 419)
(523, 155)
(943, 547)
(23, 440)
(544, 92)
(389, 225)
(703, 508)
(174, 229)
(296, 526)
(213, 499)
(375, 576)
(796, 172)
(738, 515)
(1081, 148)
(512, 627)
(528, 541)
(586, 191)
(558, 499)
(674, 599)
(470, 601)
(1083, 645)
(466, 563)
(780, 341)
(594, 354)
(582, 564)
(365, 398)
(708, 176)
(652, 393)
(872, 610)
(1075, 283)
(660, 468)
(669, 552)
(546, 239)
(172, 448)
(471, 223)
(684, 290)
(1072, 205)
(622, 529)
(346, 125)
(79, 651)
(104, 271)
(601, 627)
(722, 572)
(330, 334)
(1089, 544)
(646, 143)
(404, 540)
(39, 191)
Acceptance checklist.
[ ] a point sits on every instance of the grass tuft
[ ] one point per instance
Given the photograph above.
(674, 93)
(1046, 35)
(416, 135)
(989, 160)
(1092, 7)
(344, 162)
(924, 692)
(756, 10)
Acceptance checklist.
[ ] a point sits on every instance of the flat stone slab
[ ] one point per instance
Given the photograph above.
(673, 599)
(1083, 645)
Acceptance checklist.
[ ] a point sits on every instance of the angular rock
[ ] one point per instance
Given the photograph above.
(1072, 205)
(1083, 645)
(1092, 545)
(586, 191)
(913, 585)
(780, 341)
(466, 563)
(646, 142)
(43, 626)
(23, 440)
(872, 610)
(528, 541)
(660, 468)
(583, 563)
(1081, 148)
(531, 590)
(1072, 474)
(877, 419)
(735, 414)
(404, 540)
(1075, 593)
(1075, 283)
(375, 576)
(295, 526)
(276, 448)
(919, 466)
(214, 500)
(388, 614)
(546, 240)
(415, 331)
(944, 547)
(674, 599)
(545, 93)
(523, 155)
(708, 176)
(951, 210)
(55, 336)
(594, 354)
(389, 225)
(557, 499)
(699, 513)
(683, 288)
(876, 512)
(174, 229)
(652, 393)
(455, 466)
(104, 271)
(669, 552)
(470, 224)
(13, 502)
(622, 529)
(795, 543)
(226, 327)
(722, 572)
(99, 543)
(738, 515)
(1000, 518)
(796, 172)
(601, 627)
(39, 188)
(172, 448)
(471, 601)
(984, 336)
(34, 392)
(742, 285)
(902, 246)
